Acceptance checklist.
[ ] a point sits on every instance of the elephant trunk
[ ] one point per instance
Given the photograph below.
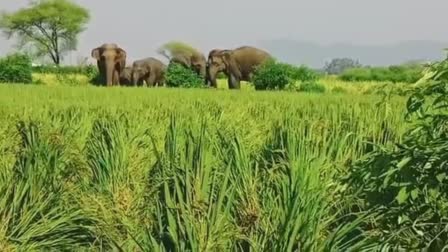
(203, 72)
(211, 77)
(135, 77)
(110, 71)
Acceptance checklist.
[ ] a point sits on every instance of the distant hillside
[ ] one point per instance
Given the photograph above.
(315, 55)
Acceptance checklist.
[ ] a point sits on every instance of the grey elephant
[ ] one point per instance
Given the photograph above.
(238, 64)
(185, 55)
(111, 61)
(150, 70)
(195, 61)
(126, 76)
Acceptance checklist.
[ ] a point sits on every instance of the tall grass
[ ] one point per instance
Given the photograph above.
(185, 170)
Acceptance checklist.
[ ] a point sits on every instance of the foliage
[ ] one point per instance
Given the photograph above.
(311, 87)
(15, 68)
(49, 27)
(409, 182)
(339, 65)
(301, 73)
(178, 76)
(405, 73)
(87, 70)
(175, 48)
(163, 170)
(273, 75)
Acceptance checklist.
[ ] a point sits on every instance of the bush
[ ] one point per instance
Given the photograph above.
(409, 181)
(408, 74)
(16, 68)
(88, 70)
(180, 76)
(311, 87)
(301, 73)
(271, 75)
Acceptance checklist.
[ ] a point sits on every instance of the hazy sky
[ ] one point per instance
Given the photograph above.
(141, 26)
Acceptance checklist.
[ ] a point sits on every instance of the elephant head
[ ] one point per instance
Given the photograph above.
(218, 61)
(196, 62)
(126, 76)
(111, 60)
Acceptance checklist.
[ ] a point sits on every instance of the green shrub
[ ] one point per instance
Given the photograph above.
(274, 75)
(179, 76)
(408, 74)
(87, 70)
(409, 181)
(311, 87)
(301, 73)
(16, 68)
(271, 75)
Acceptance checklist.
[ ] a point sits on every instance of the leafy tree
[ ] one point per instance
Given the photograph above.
(339, 65)
(175, 49)
(48, 27)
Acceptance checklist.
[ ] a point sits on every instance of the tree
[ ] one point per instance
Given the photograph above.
(339, 65)
(175, 49)
(48, 27)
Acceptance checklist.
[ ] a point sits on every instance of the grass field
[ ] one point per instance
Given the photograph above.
(90, 168)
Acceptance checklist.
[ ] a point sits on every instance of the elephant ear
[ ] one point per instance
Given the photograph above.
(231, 63)
(96, 53)
(121, 57)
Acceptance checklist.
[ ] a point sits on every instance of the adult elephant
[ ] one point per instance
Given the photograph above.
(111, 61)
(150, 70)
(238, 64)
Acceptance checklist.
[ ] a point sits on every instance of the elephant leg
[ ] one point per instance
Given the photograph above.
(151, 80)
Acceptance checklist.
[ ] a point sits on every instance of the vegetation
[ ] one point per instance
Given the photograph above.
(331, 167)
(179, 76)
(394, 74)
(148, 169)
(339, 65)
(175, 49)
(48, 28)
(15, 68)
(408, 182)
(274, 75)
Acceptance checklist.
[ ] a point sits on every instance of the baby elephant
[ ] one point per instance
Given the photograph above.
(150, 70)
(126, 76)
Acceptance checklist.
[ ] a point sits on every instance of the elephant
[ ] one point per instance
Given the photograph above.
(238, 64)
(126, 76)
(150, 70)
(195, 61)
(111, 61)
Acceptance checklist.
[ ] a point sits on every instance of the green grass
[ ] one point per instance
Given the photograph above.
(140, 169)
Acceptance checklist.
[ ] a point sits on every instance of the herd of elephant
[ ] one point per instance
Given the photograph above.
(237, 64)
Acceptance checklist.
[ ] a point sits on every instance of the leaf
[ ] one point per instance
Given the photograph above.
(440, 177)
(415, 193)
(402, 196)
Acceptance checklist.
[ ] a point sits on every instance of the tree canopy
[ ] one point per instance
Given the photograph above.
(339, 65)
(175, 48)
(48, 27)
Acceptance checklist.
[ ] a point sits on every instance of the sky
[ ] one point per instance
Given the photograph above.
(141, 26)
